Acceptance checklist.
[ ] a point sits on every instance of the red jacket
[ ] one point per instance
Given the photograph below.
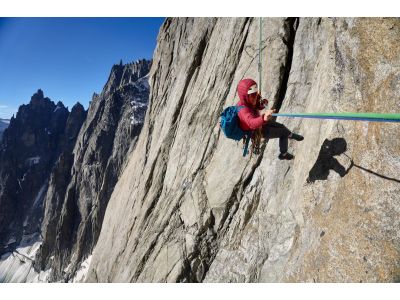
(249, 116)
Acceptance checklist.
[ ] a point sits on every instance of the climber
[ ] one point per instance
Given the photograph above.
(250, 118)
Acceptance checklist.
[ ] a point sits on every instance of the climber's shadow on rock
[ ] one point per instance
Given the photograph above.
(326, 161)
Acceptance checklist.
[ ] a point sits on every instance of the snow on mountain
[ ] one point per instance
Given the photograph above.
(17, 266)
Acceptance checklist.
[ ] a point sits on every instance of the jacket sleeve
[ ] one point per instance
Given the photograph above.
(247, 117)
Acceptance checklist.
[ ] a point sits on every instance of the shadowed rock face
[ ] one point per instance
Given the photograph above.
(3, 126)
(83, 180)
(189, 208)
(31, 145)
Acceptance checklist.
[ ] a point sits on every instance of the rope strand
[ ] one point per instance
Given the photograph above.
(370, 117)
(259, 58)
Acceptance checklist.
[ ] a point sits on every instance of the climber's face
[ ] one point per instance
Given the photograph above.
(252, 99)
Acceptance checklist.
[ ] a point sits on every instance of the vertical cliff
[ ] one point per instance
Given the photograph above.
(189, 208)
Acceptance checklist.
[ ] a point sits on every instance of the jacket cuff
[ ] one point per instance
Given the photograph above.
(263, 121)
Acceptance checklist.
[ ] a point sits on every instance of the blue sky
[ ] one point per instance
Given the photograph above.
(68, 58)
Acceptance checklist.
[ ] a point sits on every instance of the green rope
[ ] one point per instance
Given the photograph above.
(371, 117)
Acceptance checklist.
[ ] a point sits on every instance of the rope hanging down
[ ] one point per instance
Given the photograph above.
(369, 117)
(259, 58)
(256, 137)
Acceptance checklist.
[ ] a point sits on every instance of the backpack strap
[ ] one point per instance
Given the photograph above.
(247, 136)
(246, 145)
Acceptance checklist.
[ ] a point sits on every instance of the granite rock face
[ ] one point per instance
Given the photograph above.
(83, 180)
(189, 208)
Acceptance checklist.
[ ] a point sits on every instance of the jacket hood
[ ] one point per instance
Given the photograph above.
(243, 87)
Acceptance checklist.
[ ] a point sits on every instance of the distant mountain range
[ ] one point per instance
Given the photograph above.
(58, 169)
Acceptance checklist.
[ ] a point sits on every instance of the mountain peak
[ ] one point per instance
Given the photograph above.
(38, 96)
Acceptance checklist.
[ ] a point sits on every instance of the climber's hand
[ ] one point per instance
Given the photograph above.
(268, 114)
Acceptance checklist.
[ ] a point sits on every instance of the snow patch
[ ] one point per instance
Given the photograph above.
(39, 196)
(18, 265)
(82, 272)
(42, 276)
(29, 245)
(138, 111)
(11, 241)
(143, 83)
(32, 160)
(58, 107)
(23, 177)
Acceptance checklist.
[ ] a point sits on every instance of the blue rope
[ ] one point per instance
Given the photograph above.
(350, 118)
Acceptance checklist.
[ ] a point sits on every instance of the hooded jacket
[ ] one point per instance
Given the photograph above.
(249, 116)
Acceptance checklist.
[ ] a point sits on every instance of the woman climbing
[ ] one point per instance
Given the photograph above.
(250, 118)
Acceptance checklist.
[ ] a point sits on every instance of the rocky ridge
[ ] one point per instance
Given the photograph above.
(75, 204)
(28, 151)
(89, 152)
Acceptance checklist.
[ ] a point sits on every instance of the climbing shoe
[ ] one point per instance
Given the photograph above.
(296, 136)
(286, 156)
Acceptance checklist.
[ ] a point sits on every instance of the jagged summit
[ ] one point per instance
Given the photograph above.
(60, 104)
(37, 96)
(122, 75)
(77, 106)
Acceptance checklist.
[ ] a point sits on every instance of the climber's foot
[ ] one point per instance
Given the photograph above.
(296, 136)
(285, 156)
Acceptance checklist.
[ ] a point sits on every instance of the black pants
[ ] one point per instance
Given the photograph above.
(275, 130)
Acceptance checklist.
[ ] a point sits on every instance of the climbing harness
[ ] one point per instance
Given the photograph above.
(256, 141)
